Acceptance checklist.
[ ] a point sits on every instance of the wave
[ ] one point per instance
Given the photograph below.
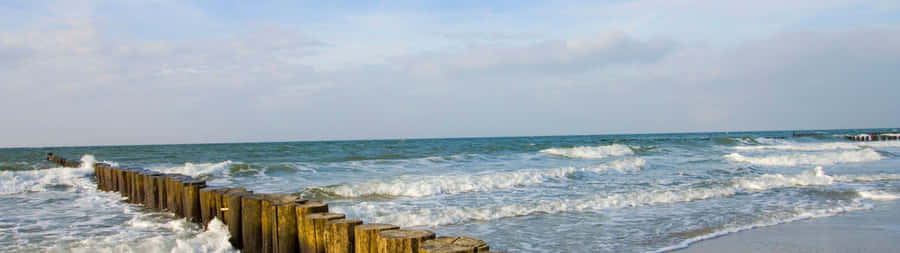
(826, 158)
(797, 216)
(823, 146)
(434, 185)
(878, 195)
(586, 152)
(198, 169)
(454, 215)
(179, 236)
(15, 182)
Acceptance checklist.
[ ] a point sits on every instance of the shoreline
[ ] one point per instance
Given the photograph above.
(873, 230)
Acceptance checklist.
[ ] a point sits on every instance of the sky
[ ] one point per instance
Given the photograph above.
(121, 72)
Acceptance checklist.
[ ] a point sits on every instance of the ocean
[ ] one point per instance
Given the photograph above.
(596, 193)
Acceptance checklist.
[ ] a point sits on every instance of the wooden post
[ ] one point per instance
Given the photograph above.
(233, 216)
(121, 182)
(269, 219)
(221, 205)
(469, 242)
(150, 191)
(435, 246)
(402, 240)
(207, 204)
(161, 196)
(251, 205)
(339, 235)
(315, 225)
(192, 199)
(286, 227)
(138, 189)
(366, 236)
(301, 211)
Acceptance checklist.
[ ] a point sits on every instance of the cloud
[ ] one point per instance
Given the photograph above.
(269, 81)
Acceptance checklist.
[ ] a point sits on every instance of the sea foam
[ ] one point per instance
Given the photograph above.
(14, 182)
(197, 169)
(586, 152)
(452, 215)
(824, 158)
(823, 146)
(434, 185)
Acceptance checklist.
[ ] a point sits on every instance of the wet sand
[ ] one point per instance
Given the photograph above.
(876, 230)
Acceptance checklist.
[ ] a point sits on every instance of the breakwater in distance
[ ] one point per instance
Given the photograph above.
(267, 222)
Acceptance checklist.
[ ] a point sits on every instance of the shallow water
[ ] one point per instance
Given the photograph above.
(621, 193)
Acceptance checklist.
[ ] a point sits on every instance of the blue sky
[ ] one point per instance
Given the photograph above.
(166, 71)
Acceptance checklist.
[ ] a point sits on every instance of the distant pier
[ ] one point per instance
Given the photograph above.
(269, 222)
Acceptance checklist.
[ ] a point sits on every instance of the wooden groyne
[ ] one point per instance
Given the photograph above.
(873, 137)
(268, 222)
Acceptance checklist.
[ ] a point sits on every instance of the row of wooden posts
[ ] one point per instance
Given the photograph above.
(873, 137)
(268, 222)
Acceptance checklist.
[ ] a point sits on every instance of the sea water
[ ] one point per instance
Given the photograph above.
(618, 193)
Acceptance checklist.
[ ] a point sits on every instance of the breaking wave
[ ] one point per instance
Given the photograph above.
(14, 182)
(198, 169)
(826, 158)
(454, 215)
(585, 152)
(823, 146)
(434, 185)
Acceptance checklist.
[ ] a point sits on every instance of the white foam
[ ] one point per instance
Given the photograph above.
(799, 215)
(768, 181)
(192, 169)
(14, 182)
(824, 158)
(179, 236)
(452, 215)
(434, 185)
(585, 152)
(823, 146)
(879, 195)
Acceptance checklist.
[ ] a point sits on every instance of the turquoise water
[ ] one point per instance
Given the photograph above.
(619, 193)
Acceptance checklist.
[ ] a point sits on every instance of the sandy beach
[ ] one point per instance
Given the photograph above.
(875, 230)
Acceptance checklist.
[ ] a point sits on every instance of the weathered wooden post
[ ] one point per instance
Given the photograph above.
(251, 229)
(121, 182)
(150, 191)
(478, 245)
(435, 246)
(402, 240)
(339, 235)
(301, 211)
(233, 216)
(207, 204)
(161, 196)
(286, 226)
(192, 199)
(315, 225)
(366, 236)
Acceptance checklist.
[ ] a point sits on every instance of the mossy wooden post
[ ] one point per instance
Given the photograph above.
(251, 205)
(121, 182)
(435, 246)
(233, 216)
(402, 240)
(478, 245)
(339, 235)
(286, 226)
(138, 189)
(207, 204)
(161, 196)
(221, 205)
(365, 236)
(267, 222)
(150, 191)
(315, 225)
(301, 211)
(129, 184)
(191, 199)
